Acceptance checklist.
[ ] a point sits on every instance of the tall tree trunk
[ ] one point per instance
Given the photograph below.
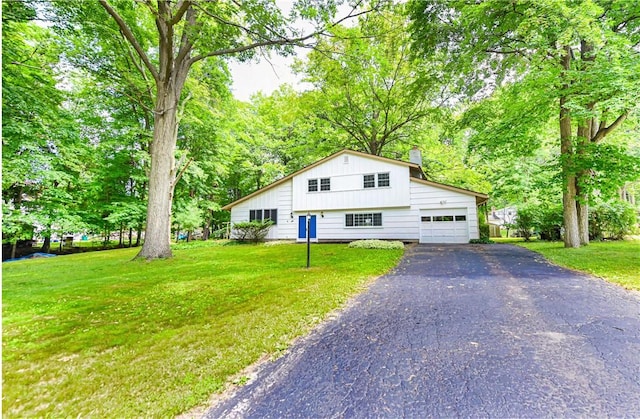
(569, 209)
(14, 247)
(584, 135)
(582, 196)
(46, 245)
(138, 235)
(158, 232)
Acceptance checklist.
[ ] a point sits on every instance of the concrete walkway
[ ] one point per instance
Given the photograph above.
(462, 331)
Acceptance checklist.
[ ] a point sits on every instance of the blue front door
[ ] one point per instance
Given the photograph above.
(302, 227)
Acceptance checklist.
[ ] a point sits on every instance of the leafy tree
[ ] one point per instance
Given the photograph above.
(168, 38)
(41, 156)
(613, 219)
(579, 55)
(550, 222)
(367, 84)
(526, 221)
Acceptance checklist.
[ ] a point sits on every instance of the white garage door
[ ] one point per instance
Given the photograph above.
(444, 226)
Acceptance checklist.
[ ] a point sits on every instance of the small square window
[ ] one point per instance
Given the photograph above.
(325, 184)
(426, 219)
(461, 218)
(383, 180)
(313, 185)
(369, 181)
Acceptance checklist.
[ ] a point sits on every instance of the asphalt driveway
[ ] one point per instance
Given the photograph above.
(462, 331)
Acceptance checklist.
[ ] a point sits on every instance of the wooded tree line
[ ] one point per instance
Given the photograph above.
(118, 116)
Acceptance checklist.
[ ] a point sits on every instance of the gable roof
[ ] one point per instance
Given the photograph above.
(480, 197)
(357, 153)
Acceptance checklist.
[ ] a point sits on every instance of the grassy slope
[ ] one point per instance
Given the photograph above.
(617, 262)
(97, 334)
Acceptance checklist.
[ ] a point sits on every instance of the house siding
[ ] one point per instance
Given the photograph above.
(278, 197)
(400, 203)
(426, 197)
(397, 224)
(347, 190)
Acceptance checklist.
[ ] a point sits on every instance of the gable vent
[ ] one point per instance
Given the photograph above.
(345, 159)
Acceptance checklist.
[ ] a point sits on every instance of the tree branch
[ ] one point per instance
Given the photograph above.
(242, 48)
(604, 131)
(182, 7)
(282, 40)
(126, 32)
(181, 172)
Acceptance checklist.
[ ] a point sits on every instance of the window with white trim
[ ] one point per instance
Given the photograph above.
(313, 185)
(324, 183)
(373, 219)
(264, 215)
(380, 180)
(383, 180)
(369, 181)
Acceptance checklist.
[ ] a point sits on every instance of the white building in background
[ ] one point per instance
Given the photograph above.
(351, 195)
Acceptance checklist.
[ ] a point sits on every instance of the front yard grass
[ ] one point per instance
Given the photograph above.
(99, 335)
(617, 262)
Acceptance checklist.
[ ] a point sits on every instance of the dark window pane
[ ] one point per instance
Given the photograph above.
(438, 218)
(272, 215)
(447, 218)
(348, 220)
(364, 220)
(325, 184)
(369, 181)
(255, 215)
(426, 219)
(461, 218)
(313, 185)
(383, 179)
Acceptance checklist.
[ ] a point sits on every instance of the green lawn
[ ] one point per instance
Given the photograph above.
(617, 262)
(98, 335)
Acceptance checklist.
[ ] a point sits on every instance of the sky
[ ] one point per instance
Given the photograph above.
(265, 76)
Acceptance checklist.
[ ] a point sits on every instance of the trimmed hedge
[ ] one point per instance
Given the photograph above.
(376, 244)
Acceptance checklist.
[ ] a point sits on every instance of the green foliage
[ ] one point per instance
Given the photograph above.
(188, 217)
(483, 226)
(526, 220)
(549, 222)
(617, 262)
(367, 84)
(482, 240)
(612, 220)
(538, 59)
(376, 244)
(254, 231)
(107, 337)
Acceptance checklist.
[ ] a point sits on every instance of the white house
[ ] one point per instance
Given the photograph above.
(351, 195)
